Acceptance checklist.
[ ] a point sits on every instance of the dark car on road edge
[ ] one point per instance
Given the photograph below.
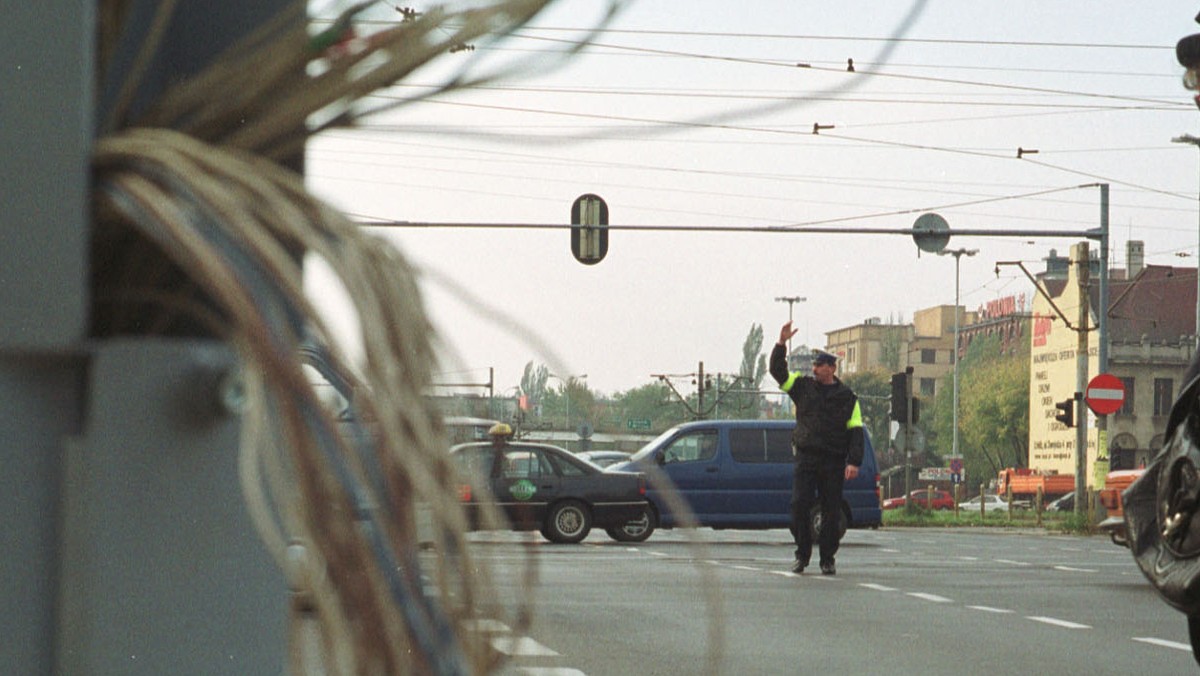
(546, 488)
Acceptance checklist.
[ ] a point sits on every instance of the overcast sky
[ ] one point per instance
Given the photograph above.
(700, 114)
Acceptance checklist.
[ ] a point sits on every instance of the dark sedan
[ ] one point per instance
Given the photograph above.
(546, 488)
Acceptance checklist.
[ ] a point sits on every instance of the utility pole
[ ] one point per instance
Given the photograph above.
(958, 254)
(1079, 253)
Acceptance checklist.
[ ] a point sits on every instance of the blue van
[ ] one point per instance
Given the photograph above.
(737, 474)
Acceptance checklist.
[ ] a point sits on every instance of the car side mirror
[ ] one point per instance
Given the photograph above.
(660, 458)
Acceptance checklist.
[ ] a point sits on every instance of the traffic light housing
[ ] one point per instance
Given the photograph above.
(899, 399)
(901, 389)
(1066, 412)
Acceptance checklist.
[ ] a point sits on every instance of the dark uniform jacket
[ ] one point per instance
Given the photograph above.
(828, 418)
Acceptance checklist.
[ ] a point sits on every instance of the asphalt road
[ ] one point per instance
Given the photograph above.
(905, 601)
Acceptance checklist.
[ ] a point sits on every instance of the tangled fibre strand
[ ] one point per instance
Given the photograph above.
(196, 181)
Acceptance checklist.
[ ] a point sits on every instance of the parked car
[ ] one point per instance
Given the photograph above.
(603, 458)
(920, 498)
(1112, 496)
(738, 474)
(988, 503)
(1064, 504)
(546, 488)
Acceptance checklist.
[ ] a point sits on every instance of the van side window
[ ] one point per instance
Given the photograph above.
(694, 447)
(761, 445)
(748, 445)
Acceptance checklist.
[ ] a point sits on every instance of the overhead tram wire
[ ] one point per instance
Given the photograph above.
(874, 73)
(811, 227)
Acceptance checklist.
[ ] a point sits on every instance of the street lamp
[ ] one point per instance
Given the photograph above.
(792, 300)
(1188, 138)
(958, 254)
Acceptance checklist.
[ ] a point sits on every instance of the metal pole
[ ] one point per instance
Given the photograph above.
(1102, 321)
(792, 300)
(958, 254)
(954, 444)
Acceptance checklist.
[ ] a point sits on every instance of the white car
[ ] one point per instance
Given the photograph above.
(991, 503)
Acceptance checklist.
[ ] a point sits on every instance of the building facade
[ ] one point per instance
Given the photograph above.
(1151, 327)
(927, 345)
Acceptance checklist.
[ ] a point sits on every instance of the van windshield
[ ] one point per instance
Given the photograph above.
(646, 450)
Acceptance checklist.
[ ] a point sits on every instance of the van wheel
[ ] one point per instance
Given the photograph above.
(634, 531)
(817, 524)
(567, 522)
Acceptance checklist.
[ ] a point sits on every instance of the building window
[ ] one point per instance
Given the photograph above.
(928, 356)
(1128, 407)
(927, 385)
(1163, 395)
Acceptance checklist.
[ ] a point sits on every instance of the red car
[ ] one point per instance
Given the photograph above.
(920, 498)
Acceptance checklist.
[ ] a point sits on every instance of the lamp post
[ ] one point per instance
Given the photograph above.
(1188, 138)
(792, 300)
(958, 254)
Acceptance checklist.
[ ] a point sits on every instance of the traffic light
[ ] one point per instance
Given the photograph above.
(899, 400)
(901, 395)
(589, 229)
(1066, 412)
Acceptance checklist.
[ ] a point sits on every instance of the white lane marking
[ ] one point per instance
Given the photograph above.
(485, 625)
(876, 587)
(1163, 642)
(550, 671)
(521, 646)
(968, 558)
(929, 597)
(784, 573)
(1011, 562)
(750, 568)
(632, 549)
(658, 554)
(889, 550)
(989, 609)
(1069, 569)
(1066, 624)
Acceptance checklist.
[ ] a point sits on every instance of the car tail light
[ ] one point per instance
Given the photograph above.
(464, 492)
(641, 485)
(1110, 498)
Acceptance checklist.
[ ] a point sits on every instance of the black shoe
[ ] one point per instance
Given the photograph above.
(827, 568)
(798, 567)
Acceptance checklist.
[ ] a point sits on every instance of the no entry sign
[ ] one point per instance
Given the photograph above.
(1105, 394)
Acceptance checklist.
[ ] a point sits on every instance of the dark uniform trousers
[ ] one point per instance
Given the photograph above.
(812, 477)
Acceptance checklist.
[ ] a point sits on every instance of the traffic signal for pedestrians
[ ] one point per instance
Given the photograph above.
(1066, 412)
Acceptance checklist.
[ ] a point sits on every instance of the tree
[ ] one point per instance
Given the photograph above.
(892, 344)
(649, 402)
(745, 401)
(533, 383)
(873, 389)
(993, 412)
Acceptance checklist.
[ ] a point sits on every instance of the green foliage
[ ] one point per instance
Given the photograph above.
(742, 399)
(874, 388)
(993, 412)
(533, 381)
(649, 402)
(892, 345)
